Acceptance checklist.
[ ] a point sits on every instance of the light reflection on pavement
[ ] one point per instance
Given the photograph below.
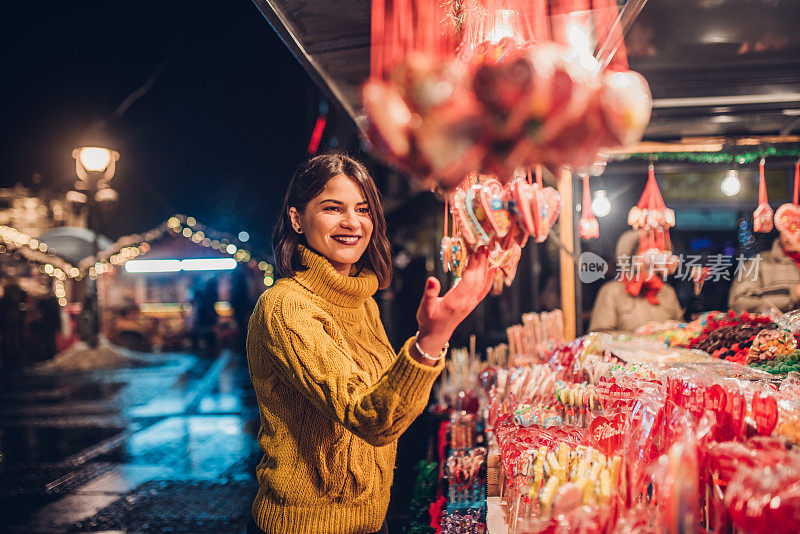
(166, 448)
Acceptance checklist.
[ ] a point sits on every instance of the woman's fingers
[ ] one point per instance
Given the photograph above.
(488, 281)
(432, 288)
(429, 296)
(473, 276)
(475, 284)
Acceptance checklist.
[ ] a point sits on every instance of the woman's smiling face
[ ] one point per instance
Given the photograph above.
(337, 223)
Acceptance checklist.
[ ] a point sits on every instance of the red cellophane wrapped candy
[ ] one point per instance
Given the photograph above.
(766, 499)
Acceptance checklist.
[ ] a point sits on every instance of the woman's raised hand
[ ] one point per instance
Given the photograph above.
(438, 317)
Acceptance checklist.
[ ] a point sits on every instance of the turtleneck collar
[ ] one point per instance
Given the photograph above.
(322, 279)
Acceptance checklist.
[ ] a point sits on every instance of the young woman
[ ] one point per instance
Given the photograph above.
(332, 393)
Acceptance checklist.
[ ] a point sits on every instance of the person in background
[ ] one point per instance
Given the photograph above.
(639, 297)
(48, 324)
(12, 326)
(206, 316)
(772, 279)
(242, 305)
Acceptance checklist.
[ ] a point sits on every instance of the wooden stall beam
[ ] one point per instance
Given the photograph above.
(567, 263)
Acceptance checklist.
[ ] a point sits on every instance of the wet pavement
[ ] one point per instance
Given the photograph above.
(164, 448)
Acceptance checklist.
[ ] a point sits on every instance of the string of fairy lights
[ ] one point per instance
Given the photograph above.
(133, 246)
(25, 247)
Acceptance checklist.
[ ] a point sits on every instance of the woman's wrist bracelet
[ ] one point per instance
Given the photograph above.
(427, 356)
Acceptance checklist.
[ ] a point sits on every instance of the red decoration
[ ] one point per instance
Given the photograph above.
(787, 216)
(652, 217)
(588, 227)
(607, 432)
(762, 216)
(492, 85)
(316, 135)
(765, 413)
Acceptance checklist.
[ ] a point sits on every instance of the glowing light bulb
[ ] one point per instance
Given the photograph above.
(601, 204)
(731, 185)
(94, 158)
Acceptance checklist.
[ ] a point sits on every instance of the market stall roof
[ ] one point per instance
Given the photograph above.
(72, 243)
(722, 67)
(23, 246)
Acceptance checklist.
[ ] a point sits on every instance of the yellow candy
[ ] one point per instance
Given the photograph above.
(552, 461)
(549, 492)
(594, 473)
(613, 469)
(563, 455)
(605, 486)
(583, 468)
(587, 495)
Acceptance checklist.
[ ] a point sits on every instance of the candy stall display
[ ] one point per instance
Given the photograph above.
(670, 333)
(729, 335)
(536, 337)
(765, 343)
(589, 442)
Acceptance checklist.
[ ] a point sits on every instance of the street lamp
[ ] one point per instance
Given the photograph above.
(95, 163)
(95, 166)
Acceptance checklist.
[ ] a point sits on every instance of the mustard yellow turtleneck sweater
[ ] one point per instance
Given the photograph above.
(333, 398)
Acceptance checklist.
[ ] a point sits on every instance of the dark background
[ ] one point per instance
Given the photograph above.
(227, 117)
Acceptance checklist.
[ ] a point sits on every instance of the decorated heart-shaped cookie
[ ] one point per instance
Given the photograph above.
(548, 206)
(787, 221)
(477, 219)
(506, 260)
(517, 235)
(454, 255)
(458, 256)
(762, 218)
(495, 210)
(552, 200)
(462, 217)
(522, 196)
(511, 261)
(445, 253)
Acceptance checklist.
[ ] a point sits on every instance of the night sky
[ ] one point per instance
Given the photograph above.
(216, 136)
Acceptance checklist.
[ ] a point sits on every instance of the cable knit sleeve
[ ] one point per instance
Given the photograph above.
(303, 346)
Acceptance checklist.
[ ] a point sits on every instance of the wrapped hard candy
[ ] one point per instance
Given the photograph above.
(770, 343)
(626, 103)
(389, 119)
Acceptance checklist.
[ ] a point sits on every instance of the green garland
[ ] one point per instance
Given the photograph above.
(713, 157)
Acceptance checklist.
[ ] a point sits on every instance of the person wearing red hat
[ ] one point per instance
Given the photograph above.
(638, 296)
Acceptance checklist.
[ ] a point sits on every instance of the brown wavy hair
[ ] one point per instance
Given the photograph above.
(308, 181)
